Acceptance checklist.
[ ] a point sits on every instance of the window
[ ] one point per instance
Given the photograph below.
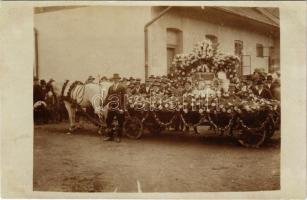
(238, 47)
(214, 41)
(170, 56)
(173, 45)
(246, 65)
(259, 50)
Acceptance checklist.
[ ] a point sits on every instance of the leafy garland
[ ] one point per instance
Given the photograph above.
(214, 107)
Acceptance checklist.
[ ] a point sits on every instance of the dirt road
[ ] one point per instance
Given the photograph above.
(171, 162)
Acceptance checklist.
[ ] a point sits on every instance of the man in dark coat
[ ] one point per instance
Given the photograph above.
(261, 91)
(269, 84)
(43, 86)
(115, 101)
(37, 92)
(137, 87)
(146, 88)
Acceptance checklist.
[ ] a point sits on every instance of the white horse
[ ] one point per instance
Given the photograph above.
(82, 96)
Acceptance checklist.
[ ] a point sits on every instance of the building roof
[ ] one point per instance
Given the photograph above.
(44, 9)
(268, 16)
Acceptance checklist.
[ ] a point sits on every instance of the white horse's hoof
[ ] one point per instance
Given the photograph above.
(68, 133)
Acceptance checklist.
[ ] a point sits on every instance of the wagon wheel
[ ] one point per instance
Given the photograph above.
(270, 129)
(133, 128)
(251, 139)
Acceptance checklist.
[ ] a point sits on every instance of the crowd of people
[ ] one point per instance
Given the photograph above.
(260, 84)
(47, 108)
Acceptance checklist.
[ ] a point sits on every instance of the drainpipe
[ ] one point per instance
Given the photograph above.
(146, 36)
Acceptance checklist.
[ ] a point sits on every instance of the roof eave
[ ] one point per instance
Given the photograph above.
(250, 18)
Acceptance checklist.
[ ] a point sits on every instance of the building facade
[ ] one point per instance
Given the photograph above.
(75, 42)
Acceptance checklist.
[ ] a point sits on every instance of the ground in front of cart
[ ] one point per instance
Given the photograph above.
(169, 162)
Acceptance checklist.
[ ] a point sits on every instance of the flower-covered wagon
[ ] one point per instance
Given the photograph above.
(217, 98)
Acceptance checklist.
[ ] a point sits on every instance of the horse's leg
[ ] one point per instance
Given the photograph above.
(79, 124)
(99, 113)
(70, 116)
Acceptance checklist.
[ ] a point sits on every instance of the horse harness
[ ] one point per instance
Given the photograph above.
(75, 104)
(68, 97)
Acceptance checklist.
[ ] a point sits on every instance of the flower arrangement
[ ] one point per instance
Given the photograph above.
(204, 58)
(217, 105)
(212, 104)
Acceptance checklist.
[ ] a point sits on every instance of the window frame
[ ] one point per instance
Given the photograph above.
(242, 47)
(259, 48)
(178, 47)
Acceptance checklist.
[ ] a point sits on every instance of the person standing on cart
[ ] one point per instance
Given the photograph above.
(115, 101)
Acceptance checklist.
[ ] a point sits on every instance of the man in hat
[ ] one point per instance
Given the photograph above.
(137, 87)
(269, 83)
(132, 80)
(273, 86)
(115, 100)
(43, 85)
(37, 93)
(145, 88)
(129, 89)
(261, 91)
(155, 89)
(90, 79)
(103, 79)
(124, 82)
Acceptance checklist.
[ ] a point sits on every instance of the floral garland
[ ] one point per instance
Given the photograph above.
(205, 58)
(212, 105)
(162, 123)
(192, 125)
(221, 129)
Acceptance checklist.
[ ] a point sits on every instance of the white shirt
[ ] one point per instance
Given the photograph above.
(115, 86)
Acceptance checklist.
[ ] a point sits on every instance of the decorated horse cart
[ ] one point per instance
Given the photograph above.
(219, 100)
(249, 119)
(203, 89)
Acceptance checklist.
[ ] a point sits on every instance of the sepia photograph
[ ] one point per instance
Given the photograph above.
(156, 99)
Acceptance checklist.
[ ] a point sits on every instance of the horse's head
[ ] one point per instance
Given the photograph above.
(53, 89)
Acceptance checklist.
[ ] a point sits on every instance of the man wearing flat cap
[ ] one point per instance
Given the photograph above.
(115, 101)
